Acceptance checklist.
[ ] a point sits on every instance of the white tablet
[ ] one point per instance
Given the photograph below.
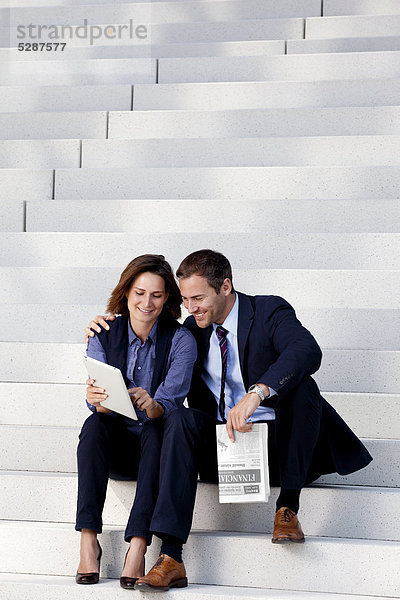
(110, 378)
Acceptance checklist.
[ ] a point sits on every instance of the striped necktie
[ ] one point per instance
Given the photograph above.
(223, 346)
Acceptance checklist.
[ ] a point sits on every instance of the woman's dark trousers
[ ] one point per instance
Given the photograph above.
(109, 448)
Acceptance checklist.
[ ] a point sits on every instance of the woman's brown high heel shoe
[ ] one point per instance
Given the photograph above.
(90, 578)
(128, 583)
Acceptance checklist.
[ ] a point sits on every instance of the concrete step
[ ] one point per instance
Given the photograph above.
(39, 404)
(254, 48)
(80, 72)
(244, 566)
(350, 509)
(228, 183)
(333, 328)
(370, 251)
(35, 184)
(147, 13)
(360, 412)
(206, 152)
(353, 26)
(360, 7)
(307, 67)
(52, 125)
(168, 33)
(253, 123)
(269, 94)
(341, 370)
(40, 154)
(231, 151)
(18, 587)
(55, 451)
(367, 44)
(12, 215)
(306, 288)
(25, 3)
(168, 216)
(57, 98)
(34, 404)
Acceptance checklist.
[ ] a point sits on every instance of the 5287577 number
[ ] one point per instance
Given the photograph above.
(41, 47)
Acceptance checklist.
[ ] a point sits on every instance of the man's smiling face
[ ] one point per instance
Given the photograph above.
(202, 301)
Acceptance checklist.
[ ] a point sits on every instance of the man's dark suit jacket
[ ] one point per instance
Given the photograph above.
(275, 349)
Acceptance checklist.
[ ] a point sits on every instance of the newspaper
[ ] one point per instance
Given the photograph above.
(243, 465)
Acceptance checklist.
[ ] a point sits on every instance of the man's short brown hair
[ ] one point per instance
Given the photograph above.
(212, 265)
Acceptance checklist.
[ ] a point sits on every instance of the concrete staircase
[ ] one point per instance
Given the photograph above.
(278, 121)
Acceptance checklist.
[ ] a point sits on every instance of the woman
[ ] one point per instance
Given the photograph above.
(156, 357)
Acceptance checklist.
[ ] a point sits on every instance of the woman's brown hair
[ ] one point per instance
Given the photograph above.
(147, 263)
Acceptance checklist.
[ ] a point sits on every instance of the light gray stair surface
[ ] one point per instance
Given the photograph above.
(341, 371)
(307, 288)
(274, 122)
(163, 12)
(356, 66)
(269, 94)
(367, 44)
(359, 7)
(382, 471)
(333, 328)
(209, 558)
(286, 216)
(306, 251)
(326, 511)
(353, 26)
(240, 152)
(55, 451)
(228, 183)
(53, 98)
(81, 72)
(369, 415)
(52, 125)
(41, 404)
(24, 3)
(42, 587)
(17, 184)
(12, 215)
(157, 50)
(40, 154)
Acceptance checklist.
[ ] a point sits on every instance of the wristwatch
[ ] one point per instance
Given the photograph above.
(256, 389)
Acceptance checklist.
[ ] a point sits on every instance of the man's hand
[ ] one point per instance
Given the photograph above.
(239, 414)
(94, 324)
(95, 396)
(144, 401)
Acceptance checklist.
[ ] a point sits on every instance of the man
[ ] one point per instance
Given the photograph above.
(255, 362)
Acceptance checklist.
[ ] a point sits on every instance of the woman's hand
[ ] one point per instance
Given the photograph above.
(144, 401)
(95, 396)
(95, 323)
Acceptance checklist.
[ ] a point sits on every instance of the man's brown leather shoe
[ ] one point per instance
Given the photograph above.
(167, 573)
(287, 527)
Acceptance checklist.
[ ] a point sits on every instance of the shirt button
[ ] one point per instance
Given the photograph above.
(140, 424)
(139, 368)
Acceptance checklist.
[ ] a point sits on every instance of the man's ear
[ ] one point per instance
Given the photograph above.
(226, 287)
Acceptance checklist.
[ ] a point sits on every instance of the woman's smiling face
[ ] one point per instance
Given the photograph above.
(146, 298)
